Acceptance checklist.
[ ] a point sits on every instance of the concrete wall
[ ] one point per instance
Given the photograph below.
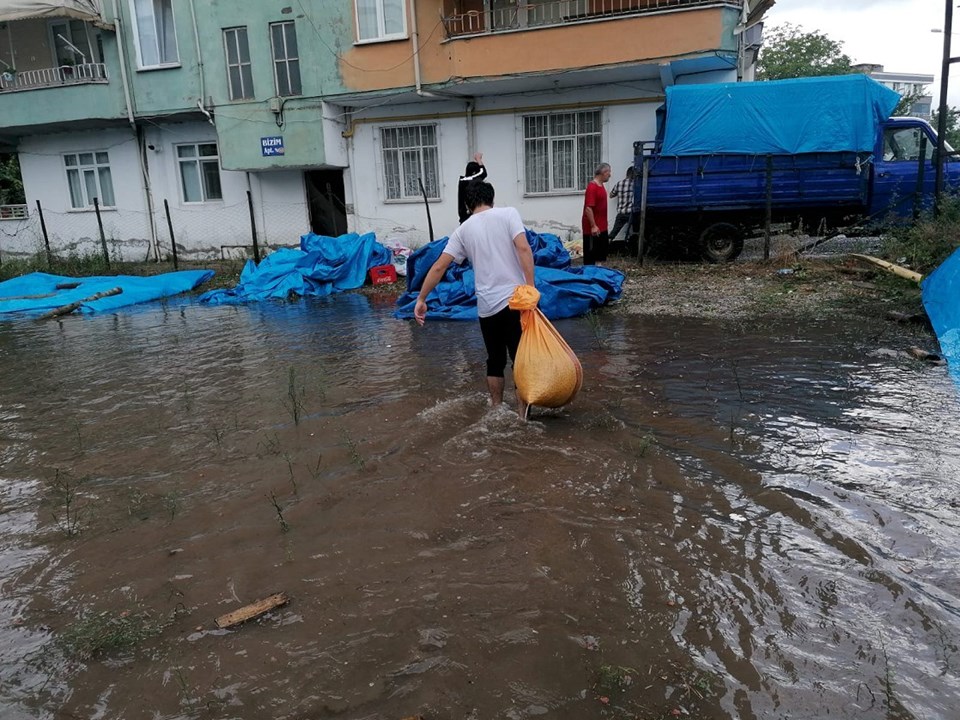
(203, 230)
(499, 135)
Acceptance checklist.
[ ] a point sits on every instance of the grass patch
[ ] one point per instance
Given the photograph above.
(925, 244)
(99, 634)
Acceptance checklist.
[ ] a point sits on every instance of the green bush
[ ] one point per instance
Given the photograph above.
(925, 244)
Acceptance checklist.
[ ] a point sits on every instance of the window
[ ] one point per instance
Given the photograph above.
(561, 150)
(380, 19)
(199, 172)
(904, 145)
(88, 176)
(239, 74)
(286, 60)
(409, 156)
(156, 33)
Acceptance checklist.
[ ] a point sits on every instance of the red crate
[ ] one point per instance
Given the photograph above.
(382, 274)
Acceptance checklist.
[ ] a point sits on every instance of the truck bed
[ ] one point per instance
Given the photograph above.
(838, 181)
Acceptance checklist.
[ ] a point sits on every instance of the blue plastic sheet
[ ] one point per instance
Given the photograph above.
(135, 290)
(941, 300)
(322, 266)
(779, 117)
(564, 291)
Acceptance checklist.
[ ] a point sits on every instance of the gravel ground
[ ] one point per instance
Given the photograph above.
(823, 281)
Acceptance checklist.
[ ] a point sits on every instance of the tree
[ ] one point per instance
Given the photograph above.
(790, 52)
(953, 126)
(11, 184)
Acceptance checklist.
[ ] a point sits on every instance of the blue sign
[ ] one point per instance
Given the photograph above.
(270, 146)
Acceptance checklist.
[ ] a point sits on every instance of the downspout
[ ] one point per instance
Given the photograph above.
(196, 39)
(138, 134)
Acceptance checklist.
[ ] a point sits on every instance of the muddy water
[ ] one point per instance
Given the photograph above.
(732, 521)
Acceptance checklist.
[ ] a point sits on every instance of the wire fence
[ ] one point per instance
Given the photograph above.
(239, 230)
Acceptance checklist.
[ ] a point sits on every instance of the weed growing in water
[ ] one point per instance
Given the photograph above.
(95, 635)
(355, 457)
(218, 437)
(294, 401)
(315, 472)
(269, 446)
(612, 679)
(66, 496)
(599, 331)
(293, 480)
(171, 503)
(641, 445)
(76, 429)
(284, 525)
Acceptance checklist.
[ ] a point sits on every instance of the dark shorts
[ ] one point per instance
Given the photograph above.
(501, 335)
(595, 248)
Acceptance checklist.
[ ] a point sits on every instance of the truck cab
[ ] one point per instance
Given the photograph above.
(904, 173)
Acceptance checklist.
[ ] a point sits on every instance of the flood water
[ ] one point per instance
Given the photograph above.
(731, 521)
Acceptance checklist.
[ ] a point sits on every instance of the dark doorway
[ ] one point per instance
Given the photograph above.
(328, 214)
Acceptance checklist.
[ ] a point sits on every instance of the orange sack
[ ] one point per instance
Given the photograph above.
(546, 371)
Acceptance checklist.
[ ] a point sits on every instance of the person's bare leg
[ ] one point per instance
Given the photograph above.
(522, 408)
(495, 386)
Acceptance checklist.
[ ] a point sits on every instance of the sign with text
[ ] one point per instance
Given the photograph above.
(270, 146)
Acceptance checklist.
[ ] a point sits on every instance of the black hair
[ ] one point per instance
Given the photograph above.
(472, 168)
(478, 193)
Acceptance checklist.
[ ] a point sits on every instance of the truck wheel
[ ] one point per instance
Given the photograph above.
(721, 242)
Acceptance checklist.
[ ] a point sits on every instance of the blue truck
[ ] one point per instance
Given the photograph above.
(818, 153)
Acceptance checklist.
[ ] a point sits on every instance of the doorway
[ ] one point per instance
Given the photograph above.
(327, 202)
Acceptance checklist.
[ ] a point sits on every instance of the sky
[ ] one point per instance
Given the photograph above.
(893, 33)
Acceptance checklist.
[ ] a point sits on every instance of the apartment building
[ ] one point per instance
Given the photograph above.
(333, 115)
(913, 85)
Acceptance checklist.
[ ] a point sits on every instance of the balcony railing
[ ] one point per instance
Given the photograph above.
(523, 14)
(53, 77)
(13, 212)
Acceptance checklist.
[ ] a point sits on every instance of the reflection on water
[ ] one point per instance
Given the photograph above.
(730, 522)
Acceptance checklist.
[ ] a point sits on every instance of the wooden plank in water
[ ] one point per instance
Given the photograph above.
(248, 612)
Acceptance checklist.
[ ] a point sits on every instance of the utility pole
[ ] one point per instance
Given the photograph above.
(944, 110)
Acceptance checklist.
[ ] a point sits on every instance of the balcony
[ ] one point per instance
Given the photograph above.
(81, 74)
(478, 17)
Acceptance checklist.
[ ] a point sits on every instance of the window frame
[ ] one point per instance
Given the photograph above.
(136, 36)
(382, 158)
(239, 64)
(579, 183)
(382, 35)
(286, 59)
(198, 160)
(80, 169)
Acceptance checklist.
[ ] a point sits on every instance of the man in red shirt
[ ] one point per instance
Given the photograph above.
(595, 217)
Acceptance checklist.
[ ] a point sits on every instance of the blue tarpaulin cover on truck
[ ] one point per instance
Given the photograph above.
(777, 117)
(37, 293)
(564, 291)
(941, 300)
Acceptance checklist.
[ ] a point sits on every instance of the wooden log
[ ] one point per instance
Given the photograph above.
(248, 612)
(902, 317)
(921, 354)
(28, 297)
(895, 269)
(67, 309)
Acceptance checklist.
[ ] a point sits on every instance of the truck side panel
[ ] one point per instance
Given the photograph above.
(832, 181)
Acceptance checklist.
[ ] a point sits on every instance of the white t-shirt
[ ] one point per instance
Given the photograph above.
(486, 239)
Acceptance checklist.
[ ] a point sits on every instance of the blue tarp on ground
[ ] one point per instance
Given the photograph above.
(135, 290)
(564, 291)
(323, 265)
(941, 300)
(779, 117)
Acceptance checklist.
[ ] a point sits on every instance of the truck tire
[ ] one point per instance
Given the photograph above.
(721, 242)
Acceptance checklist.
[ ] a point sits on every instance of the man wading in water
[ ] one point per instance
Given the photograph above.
(495, 242)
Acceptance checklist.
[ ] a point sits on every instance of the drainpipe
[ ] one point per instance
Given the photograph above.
(196, 39)
(471, 129)
(138, 134)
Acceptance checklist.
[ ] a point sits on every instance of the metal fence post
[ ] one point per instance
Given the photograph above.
(103, 238)
(173, 240)
(769, 213)
(46, 238)
(253, 228)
